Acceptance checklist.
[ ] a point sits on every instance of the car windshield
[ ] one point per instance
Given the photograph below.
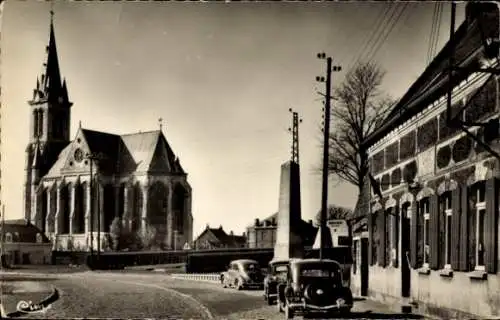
(319, 272)
(252, 267)
(280, 270)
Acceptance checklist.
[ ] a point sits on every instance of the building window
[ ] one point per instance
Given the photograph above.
(355, 252)
(375, 237)
(8, 237)
(39, 238)
(476, 226)
(423, 234)
(446, 213)
(388, 240)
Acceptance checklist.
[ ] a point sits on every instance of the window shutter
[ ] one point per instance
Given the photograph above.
(381, 227)
(490, 225)
(434, 232)
(370, 239)
(413, 236)
(455, 229)
(395, 236)
(464, 229)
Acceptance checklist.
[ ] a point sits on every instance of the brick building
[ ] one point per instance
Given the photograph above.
(262, 233)
(433, 230)
(217, 238)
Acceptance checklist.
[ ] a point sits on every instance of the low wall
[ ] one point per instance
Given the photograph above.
(205, 277)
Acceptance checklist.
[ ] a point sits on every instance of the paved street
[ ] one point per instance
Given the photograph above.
(156, 295)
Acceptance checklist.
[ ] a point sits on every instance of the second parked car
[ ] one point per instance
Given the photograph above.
(243, 274)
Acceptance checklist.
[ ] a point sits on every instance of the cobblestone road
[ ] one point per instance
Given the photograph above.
(156, 295)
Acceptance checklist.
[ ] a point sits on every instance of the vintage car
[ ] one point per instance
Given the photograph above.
(276, 274)
(314, 286)
(243, 274)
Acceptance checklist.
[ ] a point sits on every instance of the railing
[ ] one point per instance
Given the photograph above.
(206, 277)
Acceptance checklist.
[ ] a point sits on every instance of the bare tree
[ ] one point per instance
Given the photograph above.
(360, 108)
(334, 212)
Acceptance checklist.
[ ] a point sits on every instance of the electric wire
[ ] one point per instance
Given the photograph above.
(391, 28)
(378, 23)
(433, 30)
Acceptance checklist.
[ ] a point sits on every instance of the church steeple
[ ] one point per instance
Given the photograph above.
(49, 86)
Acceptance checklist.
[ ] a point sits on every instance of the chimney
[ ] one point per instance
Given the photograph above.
(220, 227)
(244, 235)
(208, 227)
(257, 222)
(310, 222)
(231, 233)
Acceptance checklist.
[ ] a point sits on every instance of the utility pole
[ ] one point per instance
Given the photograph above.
(295, 135)
(326, 130)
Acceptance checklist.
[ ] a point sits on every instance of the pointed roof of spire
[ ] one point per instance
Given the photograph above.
(49, 84)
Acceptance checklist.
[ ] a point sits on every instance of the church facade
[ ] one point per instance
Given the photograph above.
(75, 189)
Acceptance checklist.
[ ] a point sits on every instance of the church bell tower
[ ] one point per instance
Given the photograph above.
(49, 124)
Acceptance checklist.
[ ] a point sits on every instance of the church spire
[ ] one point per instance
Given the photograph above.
(49, 85)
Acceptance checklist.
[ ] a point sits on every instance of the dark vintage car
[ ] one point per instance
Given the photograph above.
(314, 286)
(243, 274)
(276, 274)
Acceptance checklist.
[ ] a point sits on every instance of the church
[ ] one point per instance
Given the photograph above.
(75, 189)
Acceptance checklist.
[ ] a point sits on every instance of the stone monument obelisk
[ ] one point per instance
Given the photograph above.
(289, 239)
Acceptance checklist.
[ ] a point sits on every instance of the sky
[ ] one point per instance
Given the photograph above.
(222, 76)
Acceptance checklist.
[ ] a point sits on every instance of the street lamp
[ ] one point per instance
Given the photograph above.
(326, 132)
(94, 157)
(175, 240)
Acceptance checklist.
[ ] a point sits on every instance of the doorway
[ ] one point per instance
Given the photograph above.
(363, 268)
(405, 250)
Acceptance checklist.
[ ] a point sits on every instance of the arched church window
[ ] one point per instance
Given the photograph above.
(16, 236)
(35, 123)
(40, 123)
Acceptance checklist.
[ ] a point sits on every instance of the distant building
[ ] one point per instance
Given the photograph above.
(24, 243)
(262, 234)
(217, 238)
(339, 231)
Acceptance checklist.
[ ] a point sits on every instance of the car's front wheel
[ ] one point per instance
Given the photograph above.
(237, 284)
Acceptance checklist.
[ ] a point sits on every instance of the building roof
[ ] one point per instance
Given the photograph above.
(23, 231)
(137, 152)
(433, 82)
(223, 237)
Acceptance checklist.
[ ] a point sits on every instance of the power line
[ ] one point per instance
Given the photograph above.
(378, 23)
(431, 37)
(372, 54)
(377, 40)
(438, 27)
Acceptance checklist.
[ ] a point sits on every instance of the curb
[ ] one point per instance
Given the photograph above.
(46, 303)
